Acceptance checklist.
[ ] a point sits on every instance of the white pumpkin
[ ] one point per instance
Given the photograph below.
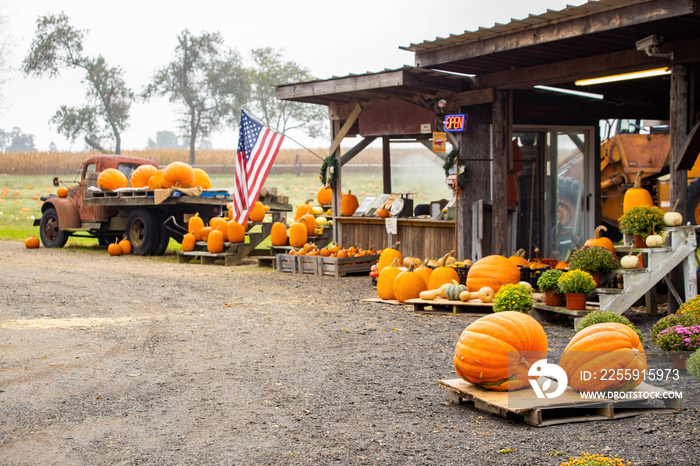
(673, 219)
(629, 262)
(317, 210)
(654, 241)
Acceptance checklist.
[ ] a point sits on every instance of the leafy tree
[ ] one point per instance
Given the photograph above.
(16, 141)
(208, 80)
(271, 70)
(104, 116)
(165, 140)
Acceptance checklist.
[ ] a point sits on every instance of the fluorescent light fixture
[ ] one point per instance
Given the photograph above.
(590, 95)
(624, 77)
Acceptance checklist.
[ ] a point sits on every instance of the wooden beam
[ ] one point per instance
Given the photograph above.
(386, 164)
(465, 99)
(338, 138)
(502, 147)
(691, 149)
(618, 18)
(359, 147)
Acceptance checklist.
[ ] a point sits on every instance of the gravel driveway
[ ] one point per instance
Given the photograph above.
(135, 360)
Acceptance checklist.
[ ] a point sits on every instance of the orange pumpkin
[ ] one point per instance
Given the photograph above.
(125, 244)
(310, 222)
(111, 179)
(349, 204)
(303, 209)
(218, 223)
(636, 195)
(562, 265)
(257, 213)
(178, 175)
(156, 181)
(235, 232)
(114, 249)
(408, 285)
(215, 241)
(608, 346)
(298, 235)
(386, 279)
(139, 178)
(424, 271)
(387, 257)
(519, 258)
(204, 233)
(201, 179)
(60, 192)
(188, 242)
(278, 234)
(496, 351)
(32, 242)
(442, 274)
(601, 241)
(325, 196)
(195, 225)
(383, 213)
(493, 271)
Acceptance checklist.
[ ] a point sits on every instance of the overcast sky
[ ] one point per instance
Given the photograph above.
(329, 38)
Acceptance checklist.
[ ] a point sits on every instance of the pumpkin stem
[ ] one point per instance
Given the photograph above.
(395, 262)
(537, 253)
(445, 257)
(524, 361)
(396, 246)
(597, 234)
(675, 205)
(520, 253)
(638, 179)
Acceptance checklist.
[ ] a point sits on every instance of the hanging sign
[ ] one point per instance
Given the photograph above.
(439, 142)
(455, 122)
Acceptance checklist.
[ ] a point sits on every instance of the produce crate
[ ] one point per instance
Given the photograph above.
(286, 263)
(343, 266)
(308, 264)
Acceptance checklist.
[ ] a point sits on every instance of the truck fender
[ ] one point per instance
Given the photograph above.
(68, 215)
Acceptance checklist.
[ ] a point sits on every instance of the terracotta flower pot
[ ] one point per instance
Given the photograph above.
(597, 277)
(576, 301)
(678, 359)
(639, 242)
(553, 299)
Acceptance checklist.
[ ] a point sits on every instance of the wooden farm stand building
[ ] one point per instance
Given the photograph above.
(501, 78)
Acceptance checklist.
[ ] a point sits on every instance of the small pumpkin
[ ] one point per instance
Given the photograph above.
(629, 261)
(140, 176)
(408, 260)
(599, 240)
(111, 179)
(673, 218)
(310, 222)
(561, 265)
(114, 249)
(278, 234)
(188, 242)
(61, 192)
(178, 175)
(125, 244)
(325, 195)
(204, 233)
(32, 242)
(215, 241)
(443, 274)
(219, 223)
(636, 195)
(201, 179)
(519, 258)
(349, 204)
(493, 271)
(298, 235)
(195, 225)
(388, 255)
(235, 232)
(424, 271)
(383, 213)
(496, 351)
(386, 279)
(408, 285)
(654, 240)
(257, 213)
(600, 347)
(454, 290)
(303, 209)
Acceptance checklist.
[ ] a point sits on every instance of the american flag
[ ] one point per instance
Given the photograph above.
(257, 148)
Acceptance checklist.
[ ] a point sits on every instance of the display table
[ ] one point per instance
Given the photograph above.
(419, 237)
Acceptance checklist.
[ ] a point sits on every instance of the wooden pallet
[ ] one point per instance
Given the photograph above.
(233, 253)
(446, 305)
(567, 408)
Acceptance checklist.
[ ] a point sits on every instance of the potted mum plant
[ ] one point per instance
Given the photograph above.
(548, 284)
(595, 260)
(641, 221)
(576, 284)
(513, 297)
(680, 341)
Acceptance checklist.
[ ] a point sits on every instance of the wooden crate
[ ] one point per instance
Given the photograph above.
(286, 263)
(343, 266)
(308, 264)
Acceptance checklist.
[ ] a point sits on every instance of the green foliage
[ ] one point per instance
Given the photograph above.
(693, 365)
(576, 281)
(58, 45)
(642, 220)
(599, 317)
(513, 297)
(692, 306)
(548, 281)
(686, 320)
(593, 259)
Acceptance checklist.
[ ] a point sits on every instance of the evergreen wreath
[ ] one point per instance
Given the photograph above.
(330, 163)
(450, 163)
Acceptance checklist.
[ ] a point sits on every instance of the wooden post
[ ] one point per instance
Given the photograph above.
(502, 161)
(386, 164)
(679, 123)
(337, 191)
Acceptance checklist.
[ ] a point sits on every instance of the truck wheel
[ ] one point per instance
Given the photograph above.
(163, 237)
(51, 235)
(142, 231)
(693, 214)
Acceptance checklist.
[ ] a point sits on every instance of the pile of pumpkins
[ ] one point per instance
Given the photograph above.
(174, 175)
(420, 280)
(309, 220)
(498, 351)
(332, 250)
(220, 230)
(119, 248)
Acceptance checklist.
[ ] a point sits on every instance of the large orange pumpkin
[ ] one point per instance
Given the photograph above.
(195, 225)
(310, 221)
(386, 280)
(349, 204)
(496, 351)
(257, 213)
(111, 179)
(636, 195)
(298, 235)
(278, 234)
(325, 196)
(442, 274)
(235, 232)
(156, 181)
(303, 209)
(139, 178)
(201, 179)
(125, 244)
(178, 175)
(408, 285)
(387, 257)
(492, 271)
(188, 242)
(601, 241)
(215, 241)
(600, 350)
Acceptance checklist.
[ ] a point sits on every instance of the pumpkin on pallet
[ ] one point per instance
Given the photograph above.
(215, 241)
(195, 225)
(278, 234)
(496, 351)
(298, 235)
(235, 232)
(408, 285)
(387, 257)
(386, 279)
(493, 271)
(443, 274)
